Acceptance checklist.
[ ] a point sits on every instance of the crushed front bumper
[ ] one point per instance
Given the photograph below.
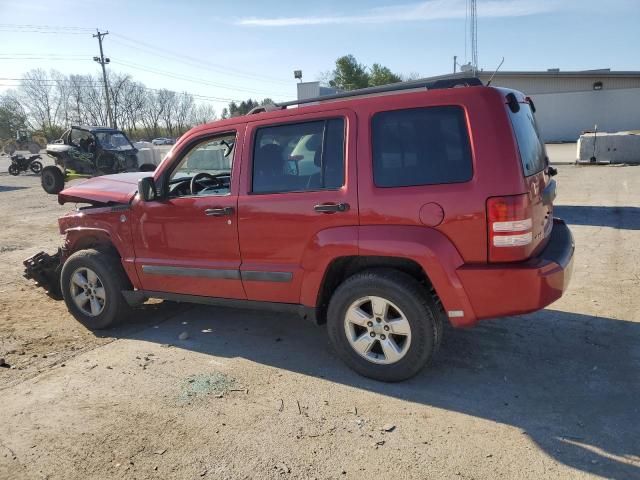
(45, 269)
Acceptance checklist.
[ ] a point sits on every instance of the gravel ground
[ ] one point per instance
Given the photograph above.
(254, 395)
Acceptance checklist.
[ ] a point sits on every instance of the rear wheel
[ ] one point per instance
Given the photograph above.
(92, 283)
(36, 167)
(384, 324)
(33, 148)
(52, 179)
(13, 169)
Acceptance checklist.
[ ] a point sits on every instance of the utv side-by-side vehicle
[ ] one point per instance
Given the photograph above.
(84, 152)
(383, 213)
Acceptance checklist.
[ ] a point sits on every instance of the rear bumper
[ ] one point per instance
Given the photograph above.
(510, 289)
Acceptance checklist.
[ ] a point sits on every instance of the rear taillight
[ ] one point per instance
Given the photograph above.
(510, 228)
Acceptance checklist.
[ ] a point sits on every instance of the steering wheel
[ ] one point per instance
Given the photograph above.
(199, 176)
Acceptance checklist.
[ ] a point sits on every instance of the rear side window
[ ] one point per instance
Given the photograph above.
(299, 157)
(421, 146)
(532, 152)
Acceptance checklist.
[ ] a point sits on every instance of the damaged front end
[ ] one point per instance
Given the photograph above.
(45, 270)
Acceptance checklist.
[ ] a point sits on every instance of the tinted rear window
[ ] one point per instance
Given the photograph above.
(532, 151)
(421, 146)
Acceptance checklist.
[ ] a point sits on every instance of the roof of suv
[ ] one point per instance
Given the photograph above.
(358, 97)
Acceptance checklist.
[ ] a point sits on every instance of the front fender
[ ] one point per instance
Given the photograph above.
(101, 226)
(436, 255)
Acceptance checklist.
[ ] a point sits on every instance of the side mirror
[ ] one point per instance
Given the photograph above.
(147, 189)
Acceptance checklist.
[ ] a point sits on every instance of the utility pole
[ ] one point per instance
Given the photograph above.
(103, 61)
(455, 63)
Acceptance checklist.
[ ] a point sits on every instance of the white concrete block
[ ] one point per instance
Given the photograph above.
(619, 147)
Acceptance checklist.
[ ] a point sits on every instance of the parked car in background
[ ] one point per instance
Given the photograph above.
(163, 141)
(383, 216)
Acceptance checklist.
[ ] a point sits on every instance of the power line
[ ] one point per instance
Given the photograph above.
(189, 79)
(96, 83)
(62, 27)
(30, 28)
(144, 68)
(181, 57)
(35, 57)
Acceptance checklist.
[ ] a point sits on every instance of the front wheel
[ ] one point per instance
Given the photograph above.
(36, 167)
(92, 283)
(14, 170)
(384, 324)
(52, 179)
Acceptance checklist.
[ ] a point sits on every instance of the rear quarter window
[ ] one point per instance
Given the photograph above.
(421, 146)
(531, 148)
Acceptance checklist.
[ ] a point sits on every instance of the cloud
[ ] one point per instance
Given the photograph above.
(423, 11)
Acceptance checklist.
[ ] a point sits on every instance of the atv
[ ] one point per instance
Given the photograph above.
(84, 152)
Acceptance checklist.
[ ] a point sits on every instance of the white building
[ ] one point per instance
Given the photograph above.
(567, 102)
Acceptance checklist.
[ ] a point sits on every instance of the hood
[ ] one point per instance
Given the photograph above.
(104, 190)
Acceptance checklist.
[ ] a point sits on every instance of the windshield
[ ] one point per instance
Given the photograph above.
(214, 156)
(113, 141)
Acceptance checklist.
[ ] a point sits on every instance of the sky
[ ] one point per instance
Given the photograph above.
(223, 50)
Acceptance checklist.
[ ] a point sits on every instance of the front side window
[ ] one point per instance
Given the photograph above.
(299, 157)
(205, 169)
(421, 146)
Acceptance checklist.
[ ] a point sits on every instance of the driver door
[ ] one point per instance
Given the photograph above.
(187, 243)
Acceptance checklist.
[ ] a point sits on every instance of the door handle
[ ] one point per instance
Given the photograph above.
(218, 211)
(331, 207)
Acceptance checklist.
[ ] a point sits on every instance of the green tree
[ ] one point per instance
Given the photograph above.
(380, 75)
(349, 74)
(236, 109)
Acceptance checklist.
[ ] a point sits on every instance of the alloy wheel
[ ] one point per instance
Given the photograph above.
(377, 330)
(87, 291)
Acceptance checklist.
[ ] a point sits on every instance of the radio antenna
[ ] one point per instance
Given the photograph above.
(494, 73)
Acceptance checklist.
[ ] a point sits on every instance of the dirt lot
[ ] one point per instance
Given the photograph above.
(252, 395)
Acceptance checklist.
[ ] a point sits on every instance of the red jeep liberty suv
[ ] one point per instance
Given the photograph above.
(382, 212)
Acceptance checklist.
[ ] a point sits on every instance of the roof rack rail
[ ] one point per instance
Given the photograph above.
(431, 85)
(270, 107)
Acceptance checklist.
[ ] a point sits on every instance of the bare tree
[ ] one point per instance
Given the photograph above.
(168, 100)
(183, 112)
(152, 112)
(118, 89)
(53, 101)
(203, 113)
(40, 99)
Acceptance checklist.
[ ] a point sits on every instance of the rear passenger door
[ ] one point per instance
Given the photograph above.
(299, 179)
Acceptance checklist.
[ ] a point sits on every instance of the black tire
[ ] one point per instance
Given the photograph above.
(14, 170)
(421, 309)
(113, 279)
(52, 179)
(36, 167)
(10, 148)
